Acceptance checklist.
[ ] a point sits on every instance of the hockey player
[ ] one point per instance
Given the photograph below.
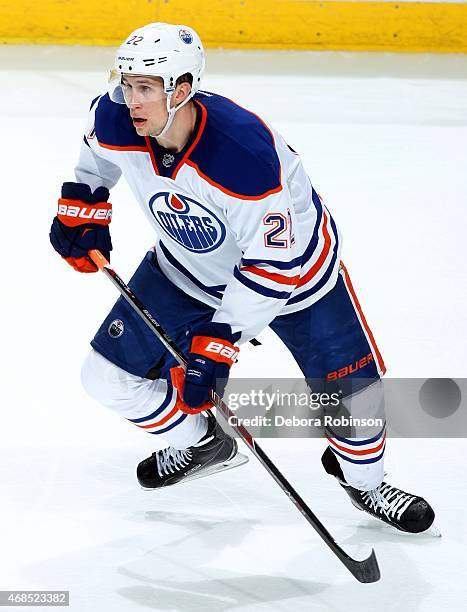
(243, 242)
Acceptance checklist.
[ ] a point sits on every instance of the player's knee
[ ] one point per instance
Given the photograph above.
(103, 380)
(129, 395)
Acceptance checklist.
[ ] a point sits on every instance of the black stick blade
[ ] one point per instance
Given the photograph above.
(364, 571)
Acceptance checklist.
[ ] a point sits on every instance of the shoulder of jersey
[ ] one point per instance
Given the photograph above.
(236, 151)
(113, 126)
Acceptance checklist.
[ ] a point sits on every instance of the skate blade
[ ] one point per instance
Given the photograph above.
(433, 531)
(236, 461)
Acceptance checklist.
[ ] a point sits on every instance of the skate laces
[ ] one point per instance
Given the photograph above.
(388, 500)
(170, 460)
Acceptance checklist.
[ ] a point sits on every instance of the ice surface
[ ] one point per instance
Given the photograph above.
(385, 140)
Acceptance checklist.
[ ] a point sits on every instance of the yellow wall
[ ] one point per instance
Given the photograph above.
(273, 24)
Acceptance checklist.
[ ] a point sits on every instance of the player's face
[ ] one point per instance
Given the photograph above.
(147, 101)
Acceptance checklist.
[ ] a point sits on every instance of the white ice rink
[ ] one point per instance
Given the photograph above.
(385, 141)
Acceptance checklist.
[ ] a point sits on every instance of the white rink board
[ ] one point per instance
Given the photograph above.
(385, 141)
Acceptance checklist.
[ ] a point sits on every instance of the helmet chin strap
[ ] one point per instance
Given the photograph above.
(171, 112)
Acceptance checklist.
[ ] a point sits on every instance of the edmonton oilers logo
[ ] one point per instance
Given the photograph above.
(116, 328)
(188, 222)
(186, 36)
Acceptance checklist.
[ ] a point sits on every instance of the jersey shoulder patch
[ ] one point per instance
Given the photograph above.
(236, 151)
(114, 128)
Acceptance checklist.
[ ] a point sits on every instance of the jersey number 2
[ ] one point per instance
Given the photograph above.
(272, 238)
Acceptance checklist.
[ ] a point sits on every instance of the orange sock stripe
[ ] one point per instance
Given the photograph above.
(168, 416)
(367, 451)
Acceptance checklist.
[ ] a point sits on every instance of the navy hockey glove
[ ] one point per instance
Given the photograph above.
(82, 224)
(211, 356)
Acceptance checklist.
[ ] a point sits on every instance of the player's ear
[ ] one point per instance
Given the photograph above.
(182, 92)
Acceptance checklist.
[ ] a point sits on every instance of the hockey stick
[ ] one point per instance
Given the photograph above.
(364, 571)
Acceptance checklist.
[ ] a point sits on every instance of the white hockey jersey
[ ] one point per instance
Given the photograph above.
(238, 223)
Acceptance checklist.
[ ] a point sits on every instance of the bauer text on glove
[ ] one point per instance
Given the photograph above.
(211, 356)
(82, 224)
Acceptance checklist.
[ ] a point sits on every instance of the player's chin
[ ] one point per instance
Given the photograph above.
(142, 130)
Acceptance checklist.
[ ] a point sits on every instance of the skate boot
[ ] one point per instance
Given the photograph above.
(215, 452)
(395, 507)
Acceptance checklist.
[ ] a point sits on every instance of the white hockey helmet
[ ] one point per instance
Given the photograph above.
(163, 50)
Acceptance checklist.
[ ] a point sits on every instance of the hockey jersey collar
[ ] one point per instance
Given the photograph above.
(154, 148)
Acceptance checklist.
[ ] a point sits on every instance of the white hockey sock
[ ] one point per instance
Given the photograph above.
(148, 404)
(361, 456)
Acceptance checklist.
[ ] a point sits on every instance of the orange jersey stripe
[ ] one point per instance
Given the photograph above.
(278, 278)
(239, 196)
(117, 148)
(322, 258)
(151, 153)
(204, 115)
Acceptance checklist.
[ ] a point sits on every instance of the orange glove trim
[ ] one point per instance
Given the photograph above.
(177, 376)
(81, 264)
(221, 351)
(73, 213)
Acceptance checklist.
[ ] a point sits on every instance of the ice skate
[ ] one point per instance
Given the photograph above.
(402, 510)
(214, 453)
